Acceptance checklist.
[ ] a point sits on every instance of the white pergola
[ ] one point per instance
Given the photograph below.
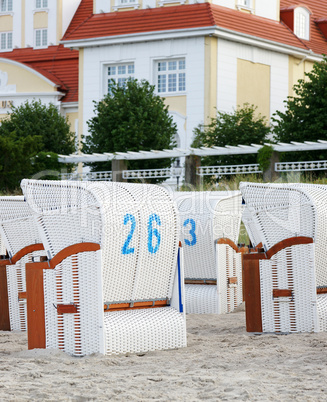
(178, 152)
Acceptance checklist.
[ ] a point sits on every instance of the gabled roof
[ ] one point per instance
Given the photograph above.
(318, 8)
(56, 63)
(184, 17)
(83, 12)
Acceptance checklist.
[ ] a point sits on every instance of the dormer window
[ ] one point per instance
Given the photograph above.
(302, 23)
(245, 5)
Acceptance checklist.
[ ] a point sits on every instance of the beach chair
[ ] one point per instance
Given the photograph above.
(113, 280)
(210, 223)
(285, 286)
(21, 242)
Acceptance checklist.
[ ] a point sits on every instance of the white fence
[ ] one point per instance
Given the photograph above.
(174, 172)
(153, 173)
(228, 170)
(91, 176)
(300, 166)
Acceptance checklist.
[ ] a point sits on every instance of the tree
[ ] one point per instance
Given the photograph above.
(240, 127)
(305, 117)
(28, 132)
(130, 118)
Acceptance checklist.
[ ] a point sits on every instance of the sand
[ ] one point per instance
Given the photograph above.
(222, 362)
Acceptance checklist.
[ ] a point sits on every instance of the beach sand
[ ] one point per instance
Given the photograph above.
(222, 362)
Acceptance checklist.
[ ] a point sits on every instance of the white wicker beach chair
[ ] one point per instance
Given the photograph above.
(286, 286)
(113, 282)
(20, 239)
(213, 269)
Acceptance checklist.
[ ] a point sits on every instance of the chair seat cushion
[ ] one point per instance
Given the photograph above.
(141, 330)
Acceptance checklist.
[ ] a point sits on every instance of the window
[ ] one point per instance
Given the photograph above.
(119, 73)
(171, 76)
(125, 2)
(5, 5)
(41, 38)
(6, 41)
(245, 3)
(41, 3)
(302, 23)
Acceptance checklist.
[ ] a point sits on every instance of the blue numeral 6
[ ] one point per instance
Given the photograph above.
(153, 232)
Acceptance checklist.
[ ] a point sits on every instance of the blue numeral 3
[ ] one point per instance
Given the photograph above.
(192, 232)
(126, 249)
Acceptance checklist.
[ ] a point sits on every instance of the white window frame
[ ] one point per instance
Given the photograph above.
(6, 6)
(43, 32)
(302, 23)
(164, 87)
(116, 74)
(126, 4)
(41, 4)
(163, 2)
(8, 40)
(245, 5)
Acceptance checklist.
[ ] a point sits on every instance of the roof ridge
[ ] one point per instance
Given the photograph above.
(78, 26)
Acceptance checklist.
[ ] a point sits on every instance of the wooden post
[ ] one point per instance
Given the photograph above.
(35, 305)
(4, 303)
(269, 175)
(117, 167)
(191, 163)
(251, 289)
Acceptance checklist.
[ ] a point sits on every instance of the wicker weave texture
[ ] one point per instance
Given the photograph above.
(144, 330)
(276, 212)
(205, 217)
(288, 269)
(201, 299)
(279, 211)
(77, 280)
(17, 283)
(230, 294)
(137, 229)
(18, 230)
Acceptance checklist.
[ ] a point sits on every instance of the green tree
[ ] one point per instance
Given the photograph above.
(130, 118)
(29, 132)
(305, 116)
(241, 127)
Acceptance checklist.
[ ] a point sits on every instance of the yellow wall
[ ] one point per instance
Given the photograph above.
(41, 20)
(23, 23)
(6, 23)
(253, 86)
(59, 20)
(210, 78)
(176, 104)
(297, 68)
(25, 80)
(2, 116)
(72, 117)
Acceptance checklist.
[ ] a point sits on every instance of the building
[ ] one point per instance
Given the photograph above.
(201, 56)
(33, 65)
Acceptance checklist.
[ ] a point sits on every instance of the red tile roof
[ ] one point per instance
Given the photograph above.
(183, 17)
(83, 12)
(318, 8)
(57, 63)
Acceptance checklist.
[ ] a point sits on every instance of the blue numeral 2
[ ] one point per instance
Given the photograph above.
(126, 249)
(192, 232)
